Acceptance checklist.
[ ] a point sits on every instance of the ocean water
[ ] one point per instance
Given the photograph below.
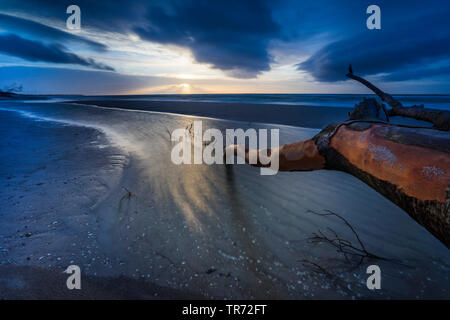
(325, 100)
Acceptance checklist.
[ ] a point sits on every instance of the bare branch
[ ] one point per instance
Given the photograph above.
(384, 96)
(343, 246)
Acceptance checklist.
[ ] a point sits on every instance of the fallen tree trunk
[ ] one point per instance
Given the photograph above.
(440, 118)
(408, 165)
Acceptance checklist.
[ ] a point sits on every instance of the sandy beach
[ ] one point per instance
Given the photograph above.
(95, 187)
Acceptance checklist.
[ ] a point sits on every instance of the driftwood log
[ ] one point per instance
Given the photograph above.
(408, 165)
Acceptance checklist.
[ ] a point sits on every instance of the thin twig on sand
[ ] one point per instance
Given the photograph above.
(342, 245)
(127, 195)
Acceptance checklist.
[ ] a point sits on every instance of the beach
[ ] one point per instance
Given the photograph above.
(91, 183)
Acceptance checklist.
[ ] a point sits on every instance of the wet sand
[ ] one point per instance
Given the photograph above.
(209, 231)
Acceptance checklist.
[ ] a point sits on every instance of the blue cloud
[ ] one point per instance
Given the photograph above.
(40, 31)
(30, 50)
(400, 47)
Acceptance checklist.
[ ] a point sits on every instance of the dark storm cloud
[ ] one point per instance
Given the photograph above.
(41, 31)
(400, 47)
(230, 35)
(30, 50)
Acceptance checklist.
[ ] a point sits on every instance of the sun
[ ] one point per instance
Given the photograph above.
(185, 88)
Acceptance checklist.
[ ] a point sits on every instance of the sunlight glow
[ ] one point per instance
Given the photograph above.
(185, 88)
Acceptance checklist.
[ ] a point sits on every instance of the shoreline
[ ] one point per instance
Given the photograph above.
(292, 115)
(313, 117)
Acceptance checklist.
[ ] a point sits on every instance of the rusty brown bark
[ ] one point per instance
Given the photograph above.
(409, 166)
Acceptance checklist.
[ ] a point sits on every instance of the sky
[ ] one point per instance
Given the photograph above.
(233, 46)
